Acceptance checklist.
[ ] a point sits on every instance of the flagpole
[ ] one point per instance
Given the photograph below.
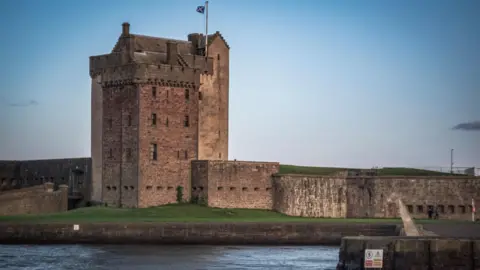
(206, 29)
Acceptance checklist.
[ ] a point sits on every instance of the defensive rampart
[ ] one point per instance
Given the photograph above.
(310, 195)
(344, 195)
(234, 184)
(34, 200)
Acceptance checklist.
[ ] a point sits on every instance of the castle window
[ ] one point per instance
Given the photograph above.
(149, 187)
(132, 187)
(200, 95)
(154, 119)
(186, 154)
(194, 188)
(256, 189)
(114, 188)
(461, 209)
(153, 151)
(268, 189)
(201, 188)
(169, 188)
(129, 120)
(167, 95)
(218, 56)
(108, 188)
(187, 94)
(159, 187)
(166, 122)
(244, 189)
(178, 154)
(154, 92)
(186, 121)
(219, 155)
(219, 188)
(125, 187)
(129, 153)
(419, 208)
(451, 209)
(410, 208)
(232, 188)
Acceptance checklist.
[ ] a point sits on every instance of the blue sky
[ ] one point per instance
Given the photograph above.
(328, 83)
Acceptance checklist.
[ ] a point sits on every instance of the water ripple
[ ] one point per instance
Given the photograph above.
(83, 257)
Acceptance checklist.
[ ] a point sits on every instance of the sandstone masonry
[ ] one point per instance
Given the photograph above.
(157, 104)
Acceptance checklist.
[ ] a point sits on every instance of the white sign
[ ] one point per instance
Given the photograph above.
(373, 258)
(76, 227)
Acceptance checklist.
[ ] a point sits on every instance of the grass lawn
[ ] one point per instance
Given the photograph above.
(174, 213)
(292, 169)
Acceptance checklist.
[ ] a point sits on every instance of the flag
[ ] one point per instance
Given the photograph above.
(473, 206)
(201, 9)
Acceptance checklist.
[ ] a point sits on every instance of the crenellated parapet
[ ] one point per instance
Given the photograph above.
(164, 75)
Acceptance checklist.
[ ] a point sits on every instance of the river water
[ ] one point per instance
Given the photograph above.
(83, 257)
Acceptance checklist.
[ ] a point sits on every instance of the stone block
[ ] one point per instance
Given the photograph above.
(451, 254)
(411, 254)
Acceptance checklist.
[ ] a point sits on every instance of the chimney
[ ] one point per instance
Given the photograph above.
(171, 52)
(125, 29)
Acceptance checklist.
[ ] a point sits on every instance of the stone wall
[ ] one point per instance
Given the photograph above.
(120, 146)
(310, 195)
(34, 200)
(74, 172)
(174, 131)
(213, 104)
(401, 253)
(246, 233)
(235, 184)
(96, 137)
(371, 197)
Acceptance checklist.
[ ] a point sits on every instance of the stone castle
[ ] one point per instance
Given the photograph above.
(160, 122)
(157, 104)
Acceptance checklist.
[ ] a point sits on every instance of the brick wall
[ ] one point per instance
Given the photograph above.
(310, 195)
(34, 200)
(235, 184)
(175, 135)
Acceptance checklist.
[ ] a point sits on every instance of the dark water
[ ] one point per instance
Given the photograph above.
(80, 257)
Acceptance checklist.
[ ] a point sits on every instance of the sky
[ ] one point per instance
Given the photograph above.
(321, 83)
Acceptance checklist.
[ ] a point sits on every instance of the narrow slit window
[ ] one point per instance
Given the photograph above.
(154, 92)
(154, 119)
(153, 151)
(187, 94)
(186, 121)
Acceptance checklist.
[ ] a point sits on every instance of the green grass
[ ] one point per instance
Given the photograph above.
(292, 169)
(173, 213)
(176, 213)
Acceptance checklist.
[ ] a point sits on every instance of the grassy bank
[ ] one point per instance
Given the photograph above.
(292, 169)
(175, 213)
(172, 213)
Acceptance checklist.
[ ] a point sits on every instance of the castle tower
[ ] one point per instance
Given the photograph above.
(157, 104)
